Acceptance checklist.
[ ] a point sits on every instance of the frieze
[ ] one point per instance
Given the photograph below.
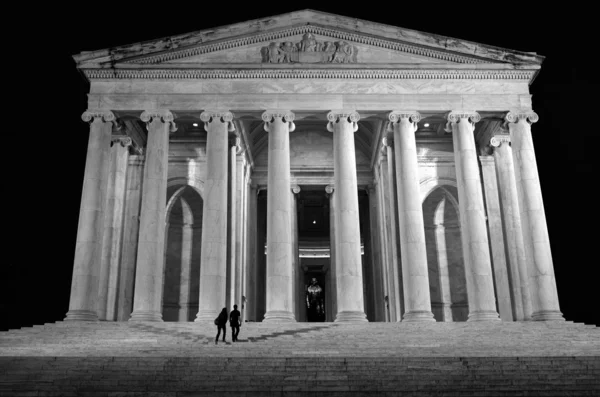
(309, 50)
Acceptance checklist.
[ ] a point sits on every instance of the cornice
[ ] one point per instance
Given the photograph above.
(358, 38)
(358, 74)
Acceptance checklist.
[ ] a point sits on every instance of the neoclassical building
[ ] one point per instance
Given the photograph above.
(241, 164)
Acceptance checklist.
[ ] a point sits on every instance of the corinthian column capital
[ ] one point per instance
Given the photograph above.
(527, 116)
(164, 115)
(456, 116)
(99, 115)
(280, 116)
(336, 116)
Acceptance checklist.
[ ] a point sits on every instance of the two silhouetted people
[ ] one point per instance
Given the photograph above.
(235, 323)
(221, 323)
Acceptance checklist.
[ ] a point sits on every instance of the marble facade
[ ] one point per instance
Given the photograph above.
(208, 152)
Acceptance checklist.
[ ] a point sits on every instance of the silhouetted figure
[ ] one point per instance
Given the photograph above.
(235, 323)
(315, 301)
(221, 323)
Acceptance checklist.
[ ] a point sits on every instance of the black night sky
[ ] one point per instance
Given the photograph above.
(46, 140)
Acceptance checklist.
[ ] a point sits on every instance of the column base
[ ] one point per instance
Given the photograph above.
(484, 315)
(207, 316)
(547, 315)
(418, 315)
(279, 316)
(146, 315)
(351, 317)
(81, 315)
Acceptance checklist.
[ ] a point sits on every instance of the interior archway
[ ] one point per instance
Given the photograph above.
(447, 281)
(181, 287)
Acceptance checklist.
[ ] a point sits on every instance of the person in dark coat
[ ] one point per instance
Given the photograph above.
(221, 323)
(235, 323)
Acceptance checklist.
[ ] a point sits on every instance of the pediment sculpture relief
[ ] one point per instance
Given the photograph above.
(309, 50)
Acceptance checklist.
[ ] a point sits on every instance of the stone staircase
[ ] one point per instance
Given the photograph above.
(300, 359)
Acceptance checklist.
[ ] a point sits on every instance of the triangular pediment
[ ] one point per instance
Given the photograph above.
(300, 48)
(303, 38)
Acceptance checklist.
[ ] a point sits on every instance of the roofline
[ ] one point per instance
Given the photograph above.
(258, 25)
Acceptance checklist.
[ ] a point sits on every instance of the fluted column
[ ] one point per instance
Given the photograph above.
(151, 243)
(544, 297)
(415, 274)
(213, 257)
(279, 207)
(350, 301)
(476, 250)
(507, 302)
(113, 228)
(332, 287)
(88, 248)
(513, 232)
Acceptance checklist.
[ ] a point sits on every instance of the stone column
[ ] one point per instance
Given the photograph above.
(378, 288)
(280, 304)
(476, 250)
(233, 225)
(185, 280)
(213, 257)
(131, 225)
(544, 297)
(113, 228)
(496, 236)
(392, 244)
(151, 244)
(513, 232)
(252, 268)
(296, 273)
(332, 287)
(439, 232)
(415, 274)
(350, 301)
(88, 248)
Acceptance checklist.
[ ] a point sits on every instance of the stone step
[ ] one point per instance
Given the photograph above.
(181, 359)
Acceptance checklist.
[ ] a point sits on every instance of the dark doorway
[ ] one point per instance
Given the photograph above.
(314, 251)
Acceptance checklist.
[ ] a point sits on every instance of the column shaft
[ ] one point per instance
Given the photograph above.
(350, 302)
(415, 274)
(542, 283)
(147, 298)
(394, 237)
(478, 268)
(496, 236)
(213, 257)
(131, 225)
(88, 248)
(279, 230)
(509, 203)
(332, 287)
(113, 229)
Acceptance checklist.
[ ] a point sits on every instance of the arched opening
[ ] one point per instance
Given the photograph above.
(181, 287)
(447, 281)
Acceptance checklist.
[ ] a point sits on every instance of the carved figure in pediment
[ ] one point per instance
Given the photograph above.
(272, 53)
(309, 50)
(287, 49)
(329, 50)
(308, 43)
(344, 53)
